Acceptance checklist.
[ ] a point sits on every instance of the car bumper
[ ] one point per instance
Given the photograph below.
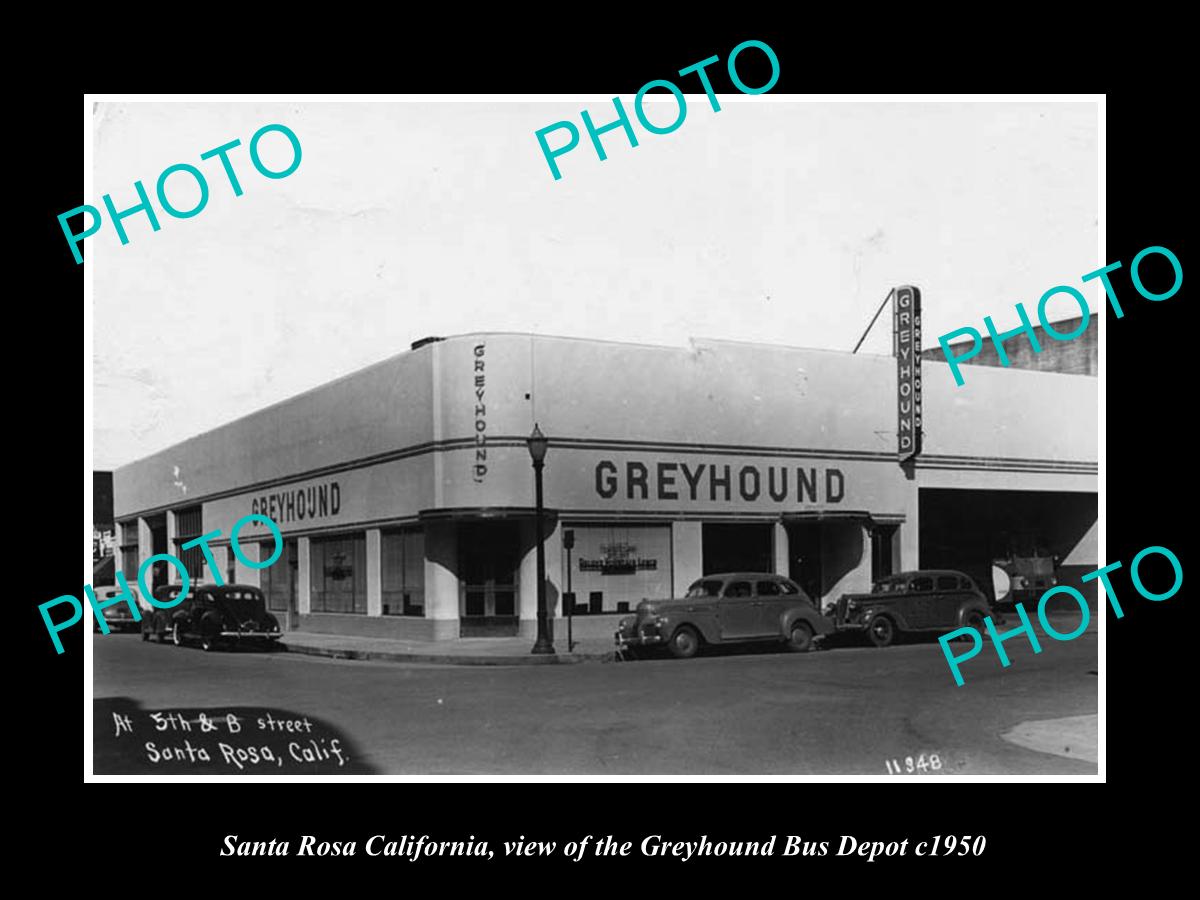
(638, 639)
(252, 635)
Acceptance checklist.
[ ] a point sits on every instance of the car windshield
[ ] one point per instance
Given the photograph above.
(708, 587)
(887, 586)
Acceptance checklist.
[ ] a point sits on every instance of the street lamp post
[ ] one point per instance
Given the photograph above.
(537, 451)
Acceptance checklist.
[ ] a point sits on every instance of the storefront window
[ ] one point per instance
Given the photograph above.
(403, 570)
(614, 567)
(339, 569)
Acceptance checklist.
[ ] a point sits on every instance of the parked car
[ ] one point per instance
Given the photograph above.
(928, 600)
(118, 617)
(729, 608)
(212, 615)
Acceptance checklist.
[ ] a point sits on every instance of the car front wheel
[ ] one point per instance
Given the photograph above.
(176, 635)
(685, 643)
(882, 631)
(801, 638)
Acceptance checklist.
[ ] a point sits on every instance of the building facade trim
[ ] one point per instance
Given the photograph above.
(929, 461)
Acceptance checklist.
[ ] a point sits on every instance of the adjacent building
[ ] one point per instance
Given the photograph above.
(405, 493)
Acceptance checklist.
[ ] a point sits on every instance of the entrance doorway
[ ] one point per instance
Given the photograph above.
(158, 544)
(805, 557)
(489, 560)
(279, 582)
(883, 538)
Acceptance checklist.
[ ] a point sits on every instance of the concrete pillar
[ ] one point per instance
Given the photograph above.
(441, 579)
(687, 555)
(173, 576)
(527, 576)
(779, 544)
(374, 572)
(845, 559)
(303, 578)
(145, 551)
(251, 550)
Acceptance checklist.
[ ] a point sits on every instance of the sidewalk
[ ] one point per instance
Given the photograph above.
(1074, 737)
(507, 651)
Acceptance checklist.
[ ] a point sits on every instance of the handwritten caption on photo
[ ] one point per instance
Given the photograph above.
(1026, 627)
(185, 580)
(622, 120)
(230, 741)
(145, 205)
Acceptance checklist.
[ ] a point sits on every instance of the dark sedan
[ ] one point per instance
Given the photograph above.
(930, 600)
(212, 615)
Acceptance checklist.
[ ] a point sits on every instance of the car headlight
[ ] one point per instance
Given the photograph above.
(624, 623)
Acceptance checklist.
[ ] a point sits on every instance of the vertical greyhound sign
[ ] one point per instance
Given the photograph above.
(906, 324)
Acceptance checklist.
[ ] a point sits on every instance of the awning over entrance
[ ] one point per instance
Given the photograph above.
(842, 515)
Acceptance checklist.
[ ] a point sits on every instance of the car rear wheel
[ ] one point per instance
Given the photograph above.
(176, 635)
(882, 631)
(801, 638)
(685, 643)
(974, 620)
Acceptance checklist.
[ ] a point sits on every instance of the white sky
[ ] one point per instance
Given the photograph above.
(771, 220)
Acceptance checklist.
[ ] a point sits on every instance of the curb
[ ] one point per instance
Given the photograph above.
(451, 659)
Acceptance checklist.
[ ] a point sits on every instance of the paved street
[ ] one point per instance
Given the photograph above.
(840, 711)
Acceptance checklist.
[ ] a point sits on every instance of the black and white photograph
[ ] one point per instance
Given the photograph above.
(697, 433)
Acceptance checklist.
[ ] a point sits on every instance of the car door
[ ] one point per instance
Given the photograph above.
(773, 602)
(194, 608)
(739, 611)
(164, 618)
(919, 606)
(947, 598)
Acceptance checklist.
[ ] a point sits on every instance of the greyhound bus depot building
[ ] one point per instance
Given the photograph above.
(405, 492)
